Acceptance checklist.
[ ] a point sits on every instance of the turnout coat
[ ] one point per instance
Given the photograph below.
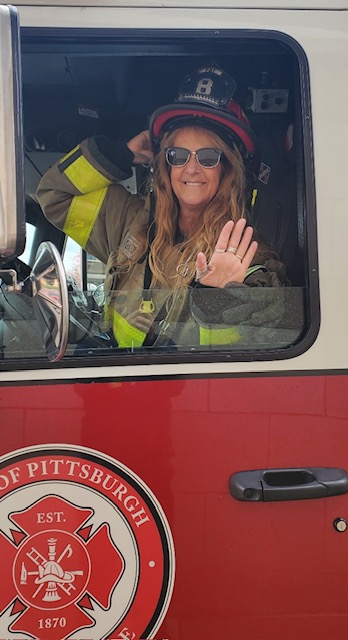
(81, 195)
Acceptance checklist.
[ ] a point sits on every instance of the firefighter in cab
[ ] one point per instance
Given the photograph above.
(182, 257)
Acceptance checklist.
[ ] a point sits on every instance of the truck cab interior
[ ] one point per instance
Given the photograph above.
(108, 82)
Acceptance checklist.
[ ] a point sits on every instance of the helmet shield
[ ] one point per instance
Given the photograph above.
(210, 86)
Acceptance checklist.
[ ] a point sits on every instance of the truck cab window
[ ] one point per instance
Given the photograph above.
(30, 232)
(83, 100)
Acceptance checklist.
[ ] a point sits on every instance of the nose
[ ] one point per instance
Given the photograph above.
(192, 166)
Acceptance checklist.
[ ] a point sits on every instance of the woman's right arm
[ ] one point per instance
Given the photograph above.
(79, 194)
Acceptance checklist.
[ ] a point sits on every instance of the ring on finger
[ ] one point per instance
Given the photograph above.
(219, 250)
(232, 249)
(238, 256)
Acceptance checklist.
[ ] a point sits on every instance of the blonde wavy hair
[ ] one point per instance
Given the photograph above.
(227, 204)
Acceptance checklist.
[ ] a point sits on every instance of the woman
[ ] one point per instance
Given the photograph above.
(174, 257)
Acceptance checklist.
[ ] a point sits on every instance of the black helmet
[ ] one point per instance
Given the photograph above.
(205, 99)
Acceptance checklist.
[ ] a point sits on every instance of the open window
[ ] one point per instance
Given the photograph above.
(108, 82)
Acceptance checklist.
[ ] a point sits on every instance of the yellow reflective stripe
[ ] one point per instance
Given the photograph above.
(125, 334)
(82, 215)
(229, 335)
(256, 267)
(69, 154)
(83, 175)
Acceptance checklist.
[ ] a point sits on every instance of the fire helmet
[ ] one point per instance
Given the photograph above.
(206, 99)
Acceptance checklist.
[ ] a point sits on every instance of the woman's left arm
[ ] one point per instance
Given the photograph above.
(237, 286)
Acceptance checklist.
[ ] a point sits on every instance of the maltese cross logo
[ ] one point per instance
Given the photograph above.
(56, 569)
(85, 547)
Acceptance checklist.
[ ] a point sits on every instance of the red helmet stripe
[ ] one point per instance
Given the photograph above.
(162, 118)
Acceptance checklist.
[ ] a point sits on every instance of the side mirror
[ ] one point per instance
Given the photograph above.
(50, 295)
(12, 210)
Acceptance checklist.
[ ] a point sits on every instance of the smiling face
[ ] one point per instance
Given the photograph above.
(193, 185)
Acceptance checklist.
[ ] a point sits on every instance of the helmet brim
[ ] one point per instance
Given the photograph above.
(174, 116)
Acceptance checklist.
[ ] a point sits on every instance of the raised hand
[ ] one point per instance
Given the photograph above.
(232, 256)
(140, 145)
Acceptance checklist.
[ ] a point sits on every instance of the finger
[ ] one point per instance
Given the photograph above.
(202, 268)
(201, 262)
(143, 158)
(250, 254)
(244, 244)
(222, 242)
(141, 147)
(237, 233)
(148, 155)
(146, 135)
(134, 143)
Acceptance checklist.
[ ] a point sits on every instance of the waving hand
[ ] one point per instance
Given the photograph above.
(232, 256)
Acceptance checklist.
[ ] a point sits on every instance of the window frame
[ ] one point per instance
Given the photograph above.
(92, 40)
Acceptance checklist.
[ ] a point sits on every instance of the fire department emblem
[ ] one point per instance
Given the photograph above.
(85, 548)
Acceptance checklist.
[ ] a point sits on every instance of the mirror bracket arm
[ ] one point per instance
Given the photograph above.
(15, 286)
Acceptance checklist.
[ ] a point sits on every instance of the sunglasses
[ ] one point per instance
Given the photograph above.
(207, 157)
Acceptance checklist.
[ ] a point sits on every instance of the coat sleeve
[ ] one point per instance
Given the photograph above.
(80, 195)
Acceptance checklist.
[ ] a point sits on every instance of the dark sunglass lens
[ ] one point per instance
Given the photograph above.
(208, 157)
(177, 156)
